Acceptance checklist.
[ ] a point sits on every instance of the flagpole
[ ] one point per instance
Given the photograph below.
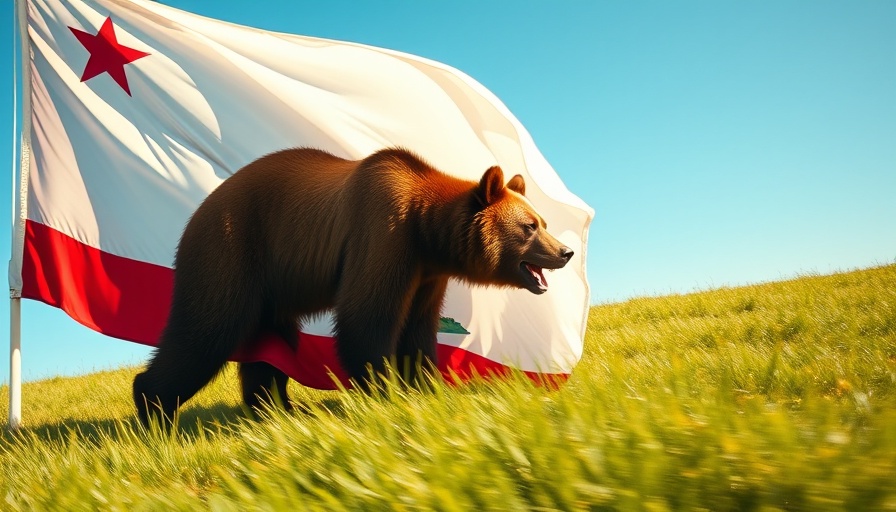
(15, 364)
(15, 317)
(19, 204)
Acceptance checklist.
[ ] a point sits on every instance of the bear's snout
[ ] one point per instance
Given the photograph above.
(566, 253)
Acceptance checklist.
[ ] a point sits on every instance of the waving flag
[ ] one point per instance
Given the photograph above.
(136, 111)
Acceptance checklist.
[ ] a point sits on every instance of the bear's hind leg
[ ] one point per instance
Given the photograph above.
(263, 385)
(170, 380)
(173, 376)
(190, 354)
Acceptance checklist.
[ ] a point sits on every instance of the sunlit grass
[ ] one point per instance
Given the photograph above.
(776, 396)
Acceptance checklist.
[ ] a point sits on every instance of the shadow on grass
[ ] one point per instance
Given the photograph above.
(320, 406)
(190, 422)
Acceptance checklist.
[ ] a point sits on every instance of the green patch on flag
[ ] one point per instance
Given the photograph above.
(450, 325)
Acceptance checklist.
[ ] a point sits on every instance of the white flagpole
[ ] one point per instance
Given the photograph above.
(19, 205)
(15, 317)
(15, 364)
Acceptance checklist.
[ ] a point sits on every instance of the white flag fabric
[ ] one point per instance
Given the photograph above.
(139, 110)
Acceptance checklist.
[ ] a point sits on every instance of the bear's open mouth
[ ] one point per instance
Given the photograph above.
(534, 277)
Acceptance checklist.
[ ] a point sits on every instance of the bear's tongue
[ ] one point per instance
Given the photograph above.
(537, 274)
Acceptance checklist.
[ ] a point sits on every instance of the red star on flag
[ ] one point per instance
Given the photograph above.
(106, 55)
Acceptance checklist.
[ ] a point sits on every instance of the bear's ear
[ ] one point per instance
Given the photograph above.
(491, 186)
(517, 184)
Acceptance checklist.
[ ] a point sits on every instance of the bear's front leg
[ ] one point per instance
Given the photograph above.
(370, 312)
(416, 352)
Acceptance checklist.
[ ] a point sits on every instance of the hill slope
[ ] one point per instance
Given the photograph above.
(778, 395)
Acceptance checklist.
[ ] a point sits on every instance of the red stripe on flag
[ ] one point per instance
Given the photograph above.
(116, 296)
(129, 299)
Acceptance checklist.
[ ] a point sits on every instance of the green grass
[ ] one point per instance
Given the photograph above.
(778, 396)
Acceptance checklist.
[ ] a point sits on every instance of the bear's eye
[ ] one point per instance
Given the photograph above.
(531, 228)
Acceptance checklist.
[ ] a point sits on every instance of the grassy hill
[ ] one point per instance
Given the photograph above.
(775, 396)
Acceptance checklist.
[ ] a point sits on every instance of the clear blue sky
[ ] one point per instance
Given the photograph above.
(720, 143)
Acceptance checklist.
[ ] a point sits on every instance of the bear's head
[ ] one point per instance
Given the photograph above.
(517, 247)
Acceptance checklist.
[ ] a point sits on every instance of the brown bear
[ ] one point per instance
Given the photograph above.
(301, 231)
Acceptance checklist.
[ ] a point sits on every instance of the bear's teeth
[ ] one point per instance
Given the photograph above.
(537, 274)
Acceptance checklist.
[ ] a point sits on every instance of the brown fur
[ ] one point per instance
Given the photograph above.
(300, 231)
